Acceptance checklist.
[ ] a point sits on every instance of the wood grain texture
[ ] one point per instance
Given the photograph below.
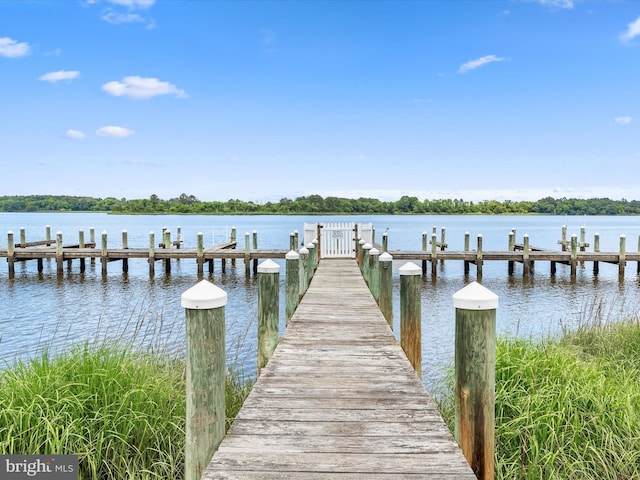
(338, 399)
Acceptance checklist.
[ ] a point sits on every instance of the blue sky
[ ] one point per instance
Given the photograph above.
(260, 100)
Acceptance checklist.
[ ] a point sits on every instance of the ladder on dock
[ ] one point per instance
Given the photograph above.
(338, 399)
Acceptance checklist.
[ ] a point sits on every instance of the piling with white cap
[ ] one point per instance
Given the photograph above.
(268, 311)
(411, 314)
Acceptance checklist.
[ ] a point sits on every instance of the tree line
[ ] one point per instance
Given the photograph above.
(316, 204)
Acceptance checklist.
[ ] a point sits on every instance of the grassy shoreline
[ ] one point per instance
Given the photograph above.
(567, 408)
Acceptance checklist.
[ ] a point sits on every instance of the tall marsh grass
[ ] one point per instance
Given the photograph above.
(568, 408)
(121, 409)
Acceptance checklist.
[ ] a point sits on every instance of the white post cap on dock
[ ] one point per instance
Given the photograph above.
(367, 246)
(268, 266)
(292, 255)
(385, 257)
(374, 251)
(304, 250)
(202, 296)
(410, 268)
(475, 297)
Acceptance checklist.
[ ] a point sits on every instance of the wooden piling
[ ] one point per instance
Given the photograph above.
(304, 270)
(152, 254)
(385, 242)
(11, 259)
(374, 273)
(424, 249)
(292, 280)
(434, 253)
(204, 306)
(366, 248)
(385, 301)
(81, 244)
(47, 235)
(200, 254)
(511, 248)
(166, 243)
(479, 257)
(526, 250)
(268, 311)
(104, 253)
(23, 237)
(411, 314)
(292, 242)
(92, 239)
(466, 249)
(574, 255)
(622, 260)
(474, 387)
(247, 252)
(125, 245)
(255, 247)
(59, 254)
(233, 239)
(596, 248)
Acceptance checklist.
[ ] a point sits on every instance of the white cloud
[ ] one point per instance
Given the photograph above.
(141, 4)
(74, 134)
(116, 18)
(139, 87)
(59, 75)
(633, 30)
(114, 131)
(12, 49)
(623, 120)
(479, 62)
(557, 3)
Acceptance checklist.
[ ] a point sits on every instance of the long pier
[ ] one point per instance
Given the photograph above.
(338, 399)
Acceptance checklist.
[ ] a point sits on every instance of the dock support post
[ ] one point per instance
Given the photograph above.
(268, 311)
(466, 249)
(638, 266)
(125, 246)
(511, 248)
(166, 243)
(292, 279)
(103, 253)
(366, 248)
(200, 254)
(23, 237)
(11, 258)
(374, 273)
(255, 247)
(424, 249)
(59, 253)
(92, 240)
(479, 258)
(310, 262)
(316, 256)
(234, 238)
(563, 239)
(574, 255)
(47, 235)
(475, 376)
(526, 262)
(386, 287)
(385, 242)
(152, 254)
(434, 253)
(292, 242)
(596, 248)
(247, 255)
(81, 245)
(622, 260)
(205, 387)
(360, 253)
(304, 270)
(411, 314)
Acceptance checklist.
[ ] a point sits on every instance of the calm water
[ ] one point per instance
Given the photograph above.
(46, 310)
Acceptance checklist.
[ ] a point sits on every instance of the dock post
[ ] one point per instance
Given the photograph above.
(574, 255)
(81, 245)
(411, 314)
(292, 279)
(166, 243)
(424, 249)
(374, 273)
(622, 260)
(304, 270)
(296, 236)
(563, 241)
(255, 247)
(360, 253)
(247, 255)
(59, 253)
(200, 253)
(152, 254)
(233, 239)
(23, 237)
(11, 252)
(434, 253)
(103, 253)
(475, 376)
(292, 242)
(596, 248)
(47, 235)
(310, 262)
(511, 248)
(178, 240)
(366, 248)
(92, 240)
(125, 246)
(479, 257)
(268, 311)
(638, 266)
(466, 249)
(386, 287)
(526, 262)
(316, 257)
(385, 242)
(205, 364)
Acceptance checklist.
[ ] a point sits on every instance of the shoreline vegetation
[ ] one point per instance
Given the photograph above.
(566, 407)
(317, 205)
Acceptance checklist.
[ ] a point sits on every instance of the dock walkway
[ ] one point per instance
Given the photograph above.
(339, 399)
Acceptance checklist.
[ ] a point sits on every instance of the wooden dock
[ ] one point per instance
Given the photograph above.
(338, 399)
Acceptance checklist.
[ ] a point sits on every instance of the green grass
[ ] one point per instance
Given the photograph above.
(568, 408)
(122, 411)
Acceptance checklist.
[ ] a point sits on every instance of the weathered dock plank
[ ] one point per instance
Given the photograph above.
(338, 399)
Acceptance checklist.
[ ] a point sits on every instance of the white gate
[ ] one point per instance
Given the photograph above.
(338, 240)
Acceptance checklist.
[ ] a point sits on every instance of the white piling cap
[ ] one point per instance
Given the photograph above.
(367, 246)
(374, 251)
(292, 255)
(202, 296)
(268, 266)
(304, 250)
(410, 268)
(385, 257)
(475, 297)
(311, 245)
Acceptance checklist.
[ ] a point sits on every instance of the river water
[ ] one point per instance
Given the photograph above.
(41, 310)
